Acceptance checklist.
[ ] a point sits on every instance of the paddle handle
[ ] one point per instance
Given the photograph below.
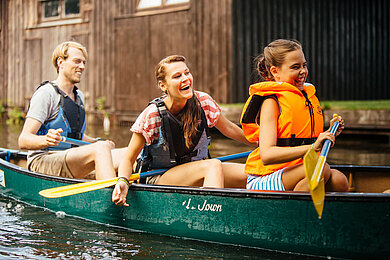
(150, 173)
(327, 143)
(72, 141)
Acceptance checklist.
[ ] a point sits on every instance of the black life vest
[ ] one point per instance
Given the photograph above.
(170, 150)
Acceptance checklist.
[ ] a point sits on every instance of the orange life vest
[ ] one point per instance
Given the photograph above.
(300, 120)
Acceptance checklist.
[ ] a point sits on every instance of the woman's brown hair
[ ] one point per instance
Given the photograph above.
(274, 55)
(190, 115)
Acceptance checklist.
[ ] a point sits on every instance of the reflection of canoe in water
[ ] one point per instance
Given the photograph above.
(353, 225)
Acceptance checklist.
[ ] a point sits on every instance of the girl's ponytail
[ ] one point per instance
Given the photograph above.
(263, 69)
(274, 55)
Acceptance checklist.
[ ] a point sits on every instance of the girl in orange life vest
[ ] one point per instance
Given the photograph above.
(290, 122)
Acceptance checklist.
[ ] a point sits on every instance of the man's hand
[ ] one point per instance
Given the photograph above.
(53, 137)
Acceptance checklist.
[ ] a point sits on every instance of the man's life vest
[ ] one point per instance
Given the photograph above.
(300, 120)
(170, 150)
(71, 118)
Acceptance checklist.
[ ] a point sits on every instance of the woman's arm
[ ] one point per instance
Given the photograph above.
(137, 142)
(135, 146)
(231, 130)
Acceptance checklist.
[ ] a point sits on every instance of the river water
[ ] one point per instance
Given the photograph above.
(28, 232)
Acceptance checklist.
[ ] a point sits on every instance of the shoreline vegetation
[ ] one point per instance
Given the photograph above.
(356, 112)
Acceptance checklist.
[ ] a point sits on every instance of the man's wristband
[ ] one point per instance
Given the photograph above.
(125, 180)
(98, 139)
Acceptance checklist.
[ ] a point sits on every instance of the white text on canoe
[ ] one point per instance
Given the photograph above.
(204, 206)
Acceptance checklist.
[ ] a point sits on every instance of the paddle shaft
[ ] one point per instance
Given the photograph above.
(324, 153)
(328, 143)
(72, 141)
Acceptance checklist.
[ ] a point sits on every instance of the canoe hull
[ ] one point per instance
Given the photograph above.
(353, 225)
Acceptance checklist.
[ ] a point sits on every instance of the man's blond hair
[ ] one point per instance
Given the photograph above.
(62, 51)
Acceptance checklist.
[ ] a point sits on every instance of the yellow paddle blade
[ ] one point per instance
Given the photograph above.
(318, 192)
(77, 188)
(318, 196)
(83, 187)
(317, 174)
(134, 177)
(310, 161)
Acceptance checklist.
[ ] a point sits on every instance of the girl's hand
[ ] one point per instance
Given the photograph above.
(317, 146)
(120, 193)
(341, 125)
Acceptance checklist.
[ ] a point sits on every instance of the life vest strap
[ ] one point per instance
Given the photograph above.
(252, 111)
(164, 114)
(292, 141)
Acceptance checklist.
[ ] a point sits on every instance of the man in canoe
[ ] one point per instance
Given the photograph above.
(57, 109)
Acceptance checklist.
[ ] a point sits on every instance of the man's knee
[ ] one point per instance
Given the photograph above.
(102, 147)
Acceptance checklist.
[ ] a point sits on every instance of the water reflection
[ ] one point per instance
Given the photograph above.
(351, 148)
(9, 135)
(361, 149)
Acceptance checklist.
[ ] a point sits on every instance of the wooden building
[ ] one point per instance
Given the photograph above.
(124, 44)
(346, 43)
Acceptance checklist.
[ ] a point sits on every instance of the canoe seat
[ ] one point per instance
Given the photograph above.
(15, 158)
(370, 182)
(5, 155)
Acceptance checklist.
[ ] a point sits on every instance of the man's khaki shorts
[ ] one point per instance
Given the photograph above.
(152, 179)
(51, 163)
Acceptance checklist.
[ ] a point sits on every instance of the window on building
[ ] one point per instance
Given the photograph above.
(159, 4)
(59, 9)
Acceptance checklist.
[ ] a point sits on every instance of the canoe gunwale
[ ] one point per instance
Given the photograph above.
(365, 168)
(223, 192)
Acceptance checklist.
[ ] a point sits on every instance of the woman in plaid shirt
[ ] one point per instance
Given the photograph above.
(190, 109)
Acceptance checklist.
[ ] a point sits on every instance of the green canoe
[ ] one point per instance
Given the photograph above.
(353, 225)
